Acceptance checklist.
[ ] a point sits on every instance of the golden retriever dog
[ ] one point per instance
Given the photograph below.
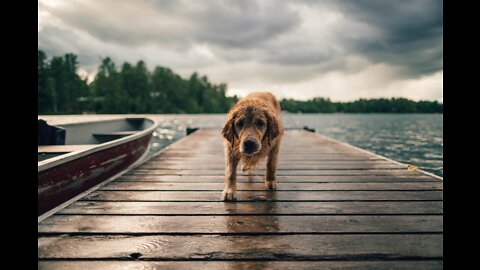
(252, 132)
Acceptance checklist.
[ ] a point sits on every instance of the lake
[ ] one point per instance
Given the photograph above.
(415, 139)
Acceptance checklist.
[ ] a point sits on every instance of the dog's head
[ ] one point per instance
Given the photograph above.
(250, 125)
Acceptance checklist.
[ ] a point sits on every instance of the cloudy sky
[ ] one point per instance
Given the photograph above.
(343, 50)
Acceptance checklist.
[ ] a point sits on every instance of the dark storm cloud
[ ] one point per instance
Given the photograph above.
(116, 22)
(294, 56)
(405, 33)
(56, 42)
(411, 32)
(244, 24)
(223, 23)
(277, 42)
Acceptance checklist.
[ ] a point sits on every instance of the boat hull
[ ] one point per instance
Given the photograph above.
(58, 184)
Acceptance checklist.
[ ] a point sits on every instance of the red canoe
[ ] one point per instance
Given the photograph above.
(72, 158)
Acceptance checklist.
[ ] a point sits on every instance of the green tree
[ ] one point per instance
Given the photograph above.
(44, 96)
(60, 89)
(108, 94)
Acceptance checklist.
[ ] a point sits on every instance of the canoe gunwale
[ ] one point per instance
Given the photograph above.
(140, 161)
(55, 161)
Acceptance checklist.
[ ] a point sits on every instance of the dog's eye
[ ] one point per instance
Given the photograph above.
(260, 123)
(240, 123)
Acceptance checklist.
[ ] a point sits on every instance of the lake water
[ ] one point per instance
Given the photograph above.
(415, 139)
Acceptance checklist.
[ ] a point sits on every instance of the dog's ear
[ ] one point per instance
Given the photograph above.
(228, 131)
(272, 127)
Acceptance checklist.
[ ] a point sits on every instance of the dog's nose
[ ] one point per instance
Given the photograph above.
(250, 146)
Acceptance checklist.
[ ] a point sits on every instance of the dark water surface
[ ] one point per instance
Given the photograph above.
(415, 139)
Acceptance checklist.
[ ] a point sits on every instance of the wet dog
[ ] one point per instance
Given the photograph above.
(252, 132)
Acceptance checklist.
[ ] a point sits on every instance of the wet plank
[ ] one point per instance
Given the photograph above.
(244, 247)
(188, 156)
(308, 158)
(435, 185)
(240, 265)
(288, 162)
(241, 224)
(282, 166)
(280, 172)
(253, 208)
(281, 179)
(310, 265)
(181, 196)
(265, 196)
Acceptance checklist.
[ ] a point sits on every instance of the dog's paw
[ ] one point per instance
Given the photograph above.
(228, 194)
(271, 184)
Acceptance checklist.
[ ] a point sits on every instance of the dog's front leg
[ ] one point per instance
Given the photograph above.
(270, 177)
(230, 176)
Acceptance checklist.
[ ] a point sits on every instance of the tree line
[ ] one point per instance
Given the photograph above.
(135, 89)
(380, 105)
(127, 89)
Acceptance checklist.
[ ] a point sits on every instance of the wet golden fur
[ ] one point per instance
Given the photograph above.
(254, 118)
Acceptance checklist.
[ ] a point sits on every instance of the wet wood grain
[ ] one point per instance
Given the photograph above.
(265, 195)
(320, 165)
(240, 224)
(253, 208)
(181, 196)
(282, 178)
(239, 265)
(435, 185)
(244, 247)
(280, 172)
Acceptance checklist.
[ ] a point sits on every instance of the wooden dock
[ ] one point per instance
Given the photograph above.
(336, 207)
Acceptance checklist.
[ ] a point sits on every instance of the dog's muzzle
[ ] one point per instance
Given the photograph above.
(250, 147)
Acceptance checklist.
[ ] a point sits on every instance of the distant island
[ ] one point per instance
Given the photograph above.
(135, 89)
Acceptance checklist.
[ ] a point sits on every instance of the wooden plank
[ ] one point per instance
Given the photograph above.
(241, 224)
(282, 178)
(352, 162)
(256, 208)
(193, 149)
(294, 149)
(435, 185)
(217, 265)
(266, 196)
(244, 247)
(282, 159)
(280, 172)
(313, 152)
(318, 166)
(173, 154)
(167, 157)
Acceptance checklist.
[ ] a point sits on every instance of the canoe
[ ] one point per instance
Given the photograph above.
(73, 158)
